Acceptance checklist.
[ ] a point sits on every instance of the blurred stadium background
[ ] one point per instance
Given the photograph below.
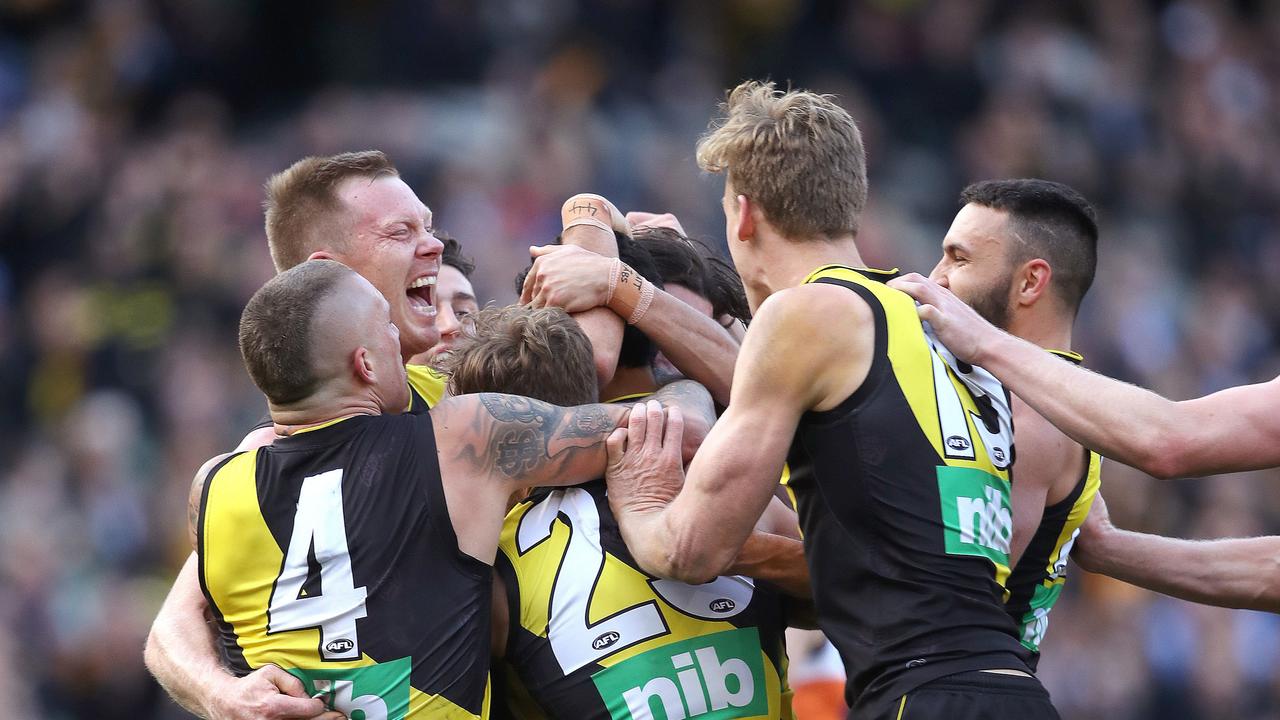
(135, 136)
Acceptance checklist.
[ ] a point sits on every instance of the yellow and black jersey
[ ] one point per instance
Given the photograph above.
(426, 386)
(593, 637)
(1037, 581)
(903, 497)
(331, 554)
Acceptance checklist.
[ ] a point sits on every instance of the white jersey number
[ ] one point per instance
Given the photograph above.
(575, 640)
(319, 530)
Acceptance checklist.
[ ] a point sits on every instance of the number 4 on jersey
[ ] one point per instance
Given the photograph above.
(319, 528)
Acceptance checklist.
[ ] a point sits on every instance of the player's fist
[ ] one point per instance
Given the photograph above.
(567, 277)
(267, 693)
(589, 209)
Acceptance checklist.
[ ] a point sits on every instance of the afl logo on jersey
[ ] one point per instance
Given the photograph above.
(340, 645)
(723, 605)
(955, 442)
(997, 454)
(605, 640)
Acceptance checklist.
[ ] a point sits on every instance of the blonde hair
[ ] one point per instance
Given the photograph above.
(303, 207)
(540, 353)
(796, 154)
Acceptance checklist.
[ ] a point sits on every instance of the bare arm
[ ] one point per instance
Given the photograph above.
(696, 344)
(775, 559)
(698, 534)
(1234, 573)
(1232, 430)
(180, 654)
(601, 326)
(524, 443)
(774, 552)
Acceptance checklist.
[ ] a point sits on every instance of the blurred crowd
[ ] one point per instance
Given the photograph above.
(135, 136)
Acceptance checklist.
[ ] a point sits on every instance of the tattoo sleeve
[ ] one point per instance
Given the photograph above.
(533, 442)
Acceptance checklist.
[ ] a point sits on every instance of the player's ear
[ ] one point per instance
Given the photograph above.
(747, 218)
(362, 365)
(1032, 281)
(321, 255)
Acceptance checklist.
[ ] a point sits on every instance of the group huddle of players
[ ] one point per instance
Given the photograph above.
(610, 500)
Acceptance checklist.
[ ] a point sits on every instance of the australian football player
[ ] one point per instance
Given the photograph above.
(355, 551)
(1022, 253)
(899, 456)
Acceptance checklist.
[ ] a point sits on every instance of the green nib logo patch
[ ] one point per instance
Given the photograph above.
(712, 677)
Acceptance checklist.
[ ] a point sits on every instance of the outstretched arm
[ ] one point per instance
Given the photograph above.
(699, 533)
(1234, 573)
(1232, 430)
(775, 559)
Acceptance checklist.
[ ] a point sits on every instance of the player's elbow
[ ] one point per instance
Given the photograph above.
(1166, 455)
(695, 562)
(606, 365)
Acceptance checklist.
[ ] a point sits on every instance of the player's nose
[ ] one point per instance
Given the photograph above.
(430, 245)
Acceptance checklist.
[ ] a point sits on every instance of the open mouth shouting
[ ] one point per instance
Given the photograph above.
(422, 295)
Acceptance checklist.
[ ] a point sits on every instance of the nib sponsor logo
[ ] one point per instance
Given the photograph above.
(712, 677)
(976, 513)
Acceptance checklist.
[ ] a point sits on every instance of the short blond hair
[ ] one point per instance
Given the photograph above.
(303, 208)
(540, 353)
(796, 154)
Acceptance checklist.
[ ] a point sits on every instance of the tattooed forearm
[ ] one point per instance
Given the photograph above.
(587, 421)
(522, 438)
(514, 408)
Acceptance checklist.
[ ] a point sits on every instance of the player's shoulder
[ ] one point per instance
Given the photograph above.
(214, 464)
(817, 318)
(811, 305)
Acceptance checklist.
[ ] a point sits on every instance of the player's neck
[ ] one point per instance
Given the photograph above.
(1049, 330)
(789, 262)
(630, 381)
(320, 408)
